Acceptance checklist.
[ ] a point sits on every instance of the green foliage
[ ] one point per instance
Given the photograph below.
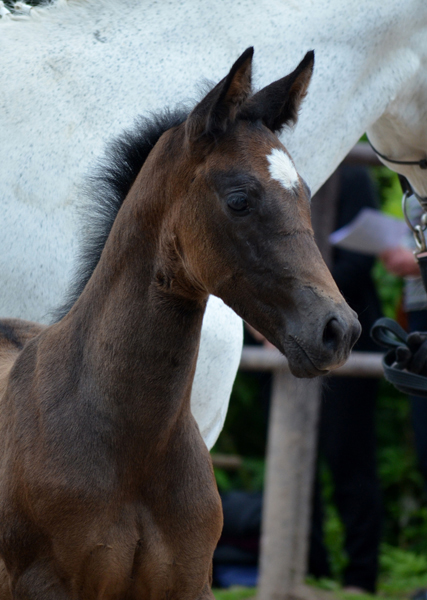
(401, 563)
(390, 192)
(245, 427)
(250, 476)
(401, 571)
(389, 288)
(402, 485)
(333, 527)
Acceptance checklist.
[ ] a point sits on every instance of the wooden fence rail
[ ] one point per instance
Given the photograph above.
(291, 454)
(360, 364)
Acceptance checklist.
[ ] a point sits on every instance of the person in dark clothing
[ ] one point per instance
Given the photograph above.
(347, 425)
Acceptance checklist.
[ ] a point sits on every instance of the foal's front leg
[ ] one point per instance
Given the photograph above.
(206, 594)
(38, 582)
(5, 592)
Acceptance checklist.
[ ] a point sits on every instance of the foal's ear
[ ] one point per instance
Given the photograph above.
(219, 108)
(278, 104)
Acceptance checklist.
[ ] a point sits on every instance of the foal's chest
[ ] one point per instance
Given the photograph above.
(136, 561)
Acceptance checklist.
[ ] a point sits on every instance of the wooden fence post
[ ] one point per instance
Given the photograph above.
(287, 498)
(290, 467)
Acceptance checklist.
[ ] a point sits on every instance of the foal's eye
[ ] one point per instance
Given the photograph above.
(238, 203)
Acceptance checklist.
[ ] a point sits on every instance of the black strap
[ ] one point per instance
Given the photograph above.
(405, 185)
(406, 360)
(422, 263)
(387, 333)
(421, 163)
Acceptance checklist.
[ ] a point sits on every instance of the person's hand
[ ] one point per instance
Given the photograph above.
(413, 356)
(400, 261)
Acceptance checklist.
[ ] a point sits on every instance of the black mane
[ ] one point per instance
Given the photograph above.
(108, 187)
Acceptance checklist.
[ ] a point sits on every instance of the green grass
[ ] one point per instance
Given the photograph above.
(235, 593)
(387, 590)
(402, 572)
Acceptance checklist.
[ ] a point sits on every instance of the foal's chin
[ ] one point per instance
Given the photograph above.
(302, 366)
(306, 361)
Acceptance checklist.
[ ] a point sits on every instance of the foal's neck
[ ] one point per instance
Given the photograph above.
(141, 337)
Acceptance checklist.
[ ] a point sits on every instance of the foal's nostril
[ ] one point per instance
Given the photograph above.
(332, 334)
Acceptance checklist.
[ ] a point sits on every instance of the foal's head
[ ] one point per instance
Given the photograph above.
(239, 225)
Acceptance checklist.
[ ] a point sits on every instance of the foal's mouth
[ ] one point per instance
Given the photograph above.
(313, 370)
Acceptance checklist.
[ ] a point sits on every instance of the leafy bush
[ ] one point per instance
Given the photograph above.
(249, 477)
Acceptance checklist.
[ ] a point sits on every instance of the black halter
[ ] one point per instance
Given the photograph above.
(406, 186)
(421, 163)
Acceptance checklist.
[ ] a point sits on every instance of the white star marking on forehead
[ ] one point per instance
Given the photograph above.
(282, 169)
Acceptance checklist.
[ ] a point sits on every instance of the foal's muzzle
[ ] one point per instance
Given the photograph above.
(323, 343)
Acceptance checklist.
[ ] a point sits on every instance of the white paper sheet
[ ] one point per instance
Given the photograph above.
(371, 232)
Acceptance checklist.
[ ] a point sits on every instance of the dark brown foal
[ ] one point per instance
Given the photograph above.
(106, 487)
